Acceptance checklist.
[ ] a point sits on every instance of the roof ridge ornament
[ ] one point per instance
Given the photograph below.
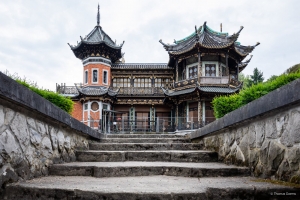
(98, 16)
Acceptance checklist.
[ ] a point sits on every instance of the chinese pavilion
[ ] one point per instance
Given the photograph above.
(155, 97)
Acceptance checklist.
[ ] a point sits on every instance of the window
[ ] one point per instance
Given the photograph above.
(95, 106)
(210, 70)
(105, 107)
(105, 77)
(86, 77)
(166, 83)
(158, 82)
(192, 72)
(95, 76)
(121, 82)
(85, 106)
(142, 82)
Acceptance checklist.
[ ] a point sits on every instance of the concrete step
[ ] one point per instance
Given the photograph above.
(144, 146)
(166, 156)
(145, 140)
(121, 169)
(145, 136)
(148, 187)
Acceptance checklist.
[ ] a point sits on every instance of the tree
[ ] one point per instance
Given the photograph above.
(293, 69)
(245, 79)
(273, 77)
(256, 78)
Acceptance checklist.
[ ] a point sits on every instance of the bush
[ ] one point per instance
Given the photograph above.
(225, 104)
(62, 102)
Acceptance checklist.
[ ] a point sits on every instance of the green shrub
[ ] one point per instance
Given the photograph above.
(62, 102)
(225, 104)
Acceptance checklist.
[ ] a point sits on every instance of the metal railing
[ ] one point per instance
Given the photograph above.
(146, 125)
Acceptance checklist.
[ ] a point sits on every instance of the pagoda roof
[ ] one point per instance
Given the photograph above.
(96, 91)
(206, 38)
(96, 40)
(207, 89)
(244, 64)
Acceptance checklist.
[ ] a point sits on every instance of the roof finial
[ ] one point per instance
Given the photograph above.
(98, 16)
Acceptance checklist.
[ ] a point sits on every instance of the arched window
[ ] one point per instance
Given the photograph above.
(105, 78)
(95, 76)
(86, 75)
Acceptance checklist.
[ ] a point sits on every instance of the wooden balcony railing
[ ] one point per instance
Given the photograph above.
(140, 91)
(203, 80)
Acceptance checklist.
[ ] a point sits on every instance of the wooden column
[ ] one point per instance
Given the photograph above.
(176, 70)
(176, 118)
(237, 71)
(199, 66)
(199, 112)
(227, 69)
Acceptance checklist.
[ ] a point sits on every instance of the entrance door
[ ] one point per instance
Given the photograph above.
(142, 121)
(209, 113)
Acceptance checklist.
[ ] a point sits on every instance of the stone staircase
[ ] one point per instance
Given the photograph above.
(148, 166)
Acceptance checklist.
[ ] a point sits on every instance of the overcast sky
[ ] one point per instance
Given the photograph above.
(34, 33)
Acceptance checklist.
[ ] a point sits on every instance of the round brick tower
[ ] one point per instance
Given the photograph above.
(98, 52)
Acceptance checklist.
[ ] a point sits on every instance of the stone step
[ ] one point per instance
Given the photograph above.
(145, 140)
(145, 136)
(166, 156)
(148, 187)
(121, 169)
(144, 146)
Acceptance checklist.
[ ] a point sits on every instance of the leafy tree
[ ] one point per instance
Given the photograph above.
(273, 77)
(245, 79)
(256, 78)
(293, 69)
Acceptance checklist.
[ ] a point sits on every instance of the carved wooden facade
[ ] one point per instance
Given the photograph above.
(179, 93)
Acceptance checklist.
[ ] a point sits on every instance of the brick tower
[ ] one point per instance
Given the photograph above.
(98, 52)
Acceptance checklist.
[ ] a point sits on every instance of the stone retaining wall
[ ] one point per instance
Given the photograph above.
(264, 135)
(34, 133)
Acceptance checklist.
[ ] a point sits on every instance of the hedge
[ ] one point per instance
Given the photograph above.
(62, 102)
(225, 104)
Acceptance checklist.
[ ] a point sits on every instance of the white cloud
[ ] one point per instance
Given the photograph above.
(34, 34)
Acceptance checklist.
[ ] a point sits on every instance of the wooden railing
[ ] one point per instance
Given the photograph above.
(140, 91)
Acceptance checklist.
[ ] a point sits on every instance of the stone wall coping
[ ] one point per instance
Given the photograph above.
(281, 97)
(18, 94)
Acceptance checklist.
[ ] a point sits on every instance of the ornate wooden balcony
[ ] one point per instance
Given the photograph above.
(204, 80)
(68, 90)
(140, 91)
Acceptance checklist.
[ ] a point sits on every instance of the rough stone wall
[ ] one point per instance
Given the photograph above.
(34, 133)
(29, 145)
(264, 135)
(269, 146)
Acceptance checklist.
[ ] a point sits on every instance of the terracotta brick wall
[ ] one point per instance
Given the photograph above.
(101, 68)
(77, 111)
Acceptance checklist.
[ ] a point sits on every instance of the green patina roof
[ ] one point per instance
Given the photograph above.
(188, 37)
(200, 29)
(216, 32)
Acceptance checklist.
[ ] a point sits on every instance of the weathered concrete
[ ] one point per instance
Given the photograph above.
(146, 136)
(120, 169)
(144, 146)
(34, 134)
(263, 135)
(145, 140)
(166, 156)
(153, 187)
